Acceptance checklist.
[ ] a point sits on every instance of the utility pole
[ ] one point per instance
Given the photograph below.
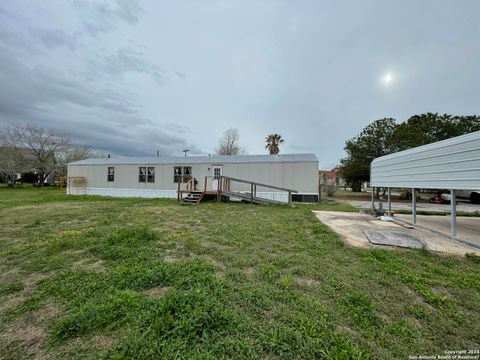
(185, 151)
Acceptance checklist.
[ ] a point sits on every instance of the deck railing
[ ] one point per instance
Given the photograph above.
(224, 183)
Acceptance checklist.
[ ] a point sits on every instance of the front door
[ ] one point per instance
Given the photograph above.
(216, 172)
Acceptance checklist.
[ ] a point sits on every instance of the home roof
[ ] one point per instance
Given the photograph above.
(199, 159)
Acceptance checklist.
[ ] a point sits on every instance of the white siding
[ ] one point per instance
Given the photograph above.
(448, 164)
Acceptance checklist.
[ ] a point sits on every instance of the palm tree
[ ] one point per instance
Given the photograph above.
(273, 141)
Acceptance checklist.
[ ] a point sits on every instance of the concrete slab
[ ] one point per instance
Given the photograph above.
(399, 238)
(440, 208)
(468, 228)
(351, 227)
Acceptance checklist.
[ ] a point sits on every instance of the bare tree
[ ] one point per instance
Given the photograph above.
(229, 143)
(36, 148)
(11, 164)
(71, 155)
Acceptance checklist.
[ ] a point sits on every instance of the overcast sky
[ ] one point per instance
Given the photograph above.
(132, 77)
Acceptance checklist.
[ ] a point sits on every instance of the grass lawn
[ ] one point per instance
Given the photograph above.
(91, 277)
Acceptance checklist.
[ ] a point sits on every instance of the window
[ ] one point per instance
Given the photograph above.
(151, 174)
(142, 171)
(187, 173)
(111, 174)
(182, 174)
(146, 174)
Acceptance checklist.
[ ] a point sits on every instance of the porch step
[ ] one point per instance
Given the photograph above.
(193, 198)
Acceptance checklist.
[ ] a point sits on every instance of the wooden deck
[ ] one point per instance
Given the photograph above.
(188, 194)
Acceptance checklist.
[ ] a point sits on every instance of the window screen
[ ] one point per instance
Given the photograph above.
(151, 174)
(182, 174)
(142, 172)
(111, 174)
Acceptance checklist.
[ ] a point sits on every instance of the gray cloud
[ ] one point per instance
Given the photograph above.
(100, 114)
(132, 77)
(127, 60)
(54, 38)
(101, 17)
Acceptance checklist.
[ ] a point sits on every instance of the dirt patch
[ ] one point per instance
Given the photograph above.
(214, 262)
(417, 299)
(48, 312)
(33, 278)
(30, 281)
(25, 337)
(249, 271)
(171, 259)
(216, 245)
(87, 264)
(443, 292)
(102, 341)
(348, 331)
(155, 292)
(304, 281)
(10, 273)
(52, 205)
(12, 301)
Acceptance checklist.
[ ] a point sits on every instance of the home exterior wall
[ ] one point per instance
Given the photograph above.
(300, 176)
(448, 164)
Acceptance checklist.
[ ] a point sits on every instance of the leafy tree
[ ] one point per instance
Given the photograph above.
(385, 136)
(375, 140)
(431, 127)
(229, 143)
(273, 142)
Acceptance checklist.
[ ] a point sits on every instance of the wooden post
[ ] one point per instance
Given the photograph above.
(255, 191)
(219, 189)
(289, 198)
(251, 193)
(319, 192)
(205, 184)
(178, 191)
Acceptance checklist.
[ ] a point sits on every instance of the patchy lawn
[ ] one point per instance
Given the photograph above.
(90, 277)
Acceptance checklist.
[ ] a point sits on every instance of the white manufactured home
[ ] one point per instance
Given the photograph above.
(279, 178)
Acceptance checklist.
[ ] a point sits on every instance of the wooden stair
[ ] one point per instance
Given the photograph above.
(193, 197)
(186, 193)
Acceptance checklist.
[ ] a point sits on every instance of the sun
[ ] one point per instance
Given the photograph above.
(388, 78)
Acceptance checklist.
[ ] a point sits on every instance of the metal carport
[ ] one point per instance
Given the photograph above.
(452, 164)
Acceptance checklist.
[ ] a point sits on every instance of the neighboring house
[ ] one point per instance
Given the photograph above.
(331, 177)
(162, 176)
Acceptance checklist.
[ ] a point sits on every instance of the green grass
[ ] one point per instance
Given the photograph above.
(92, 277)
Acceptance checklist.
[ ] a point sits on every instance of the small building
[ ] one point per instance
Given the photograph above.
(272, 176)
(331, 177)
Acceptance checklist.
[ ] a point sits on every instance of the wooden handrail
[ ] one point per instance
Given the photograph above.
(257, 184)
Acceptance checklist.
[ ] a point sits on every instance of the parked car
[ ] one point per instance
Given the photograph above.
(473, 195)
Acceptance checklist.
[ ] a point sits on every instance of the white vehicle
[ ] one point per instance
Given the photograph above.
(473, 195)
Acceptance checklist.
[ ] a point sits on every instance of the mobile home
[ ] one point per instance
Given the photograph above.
(162, 177)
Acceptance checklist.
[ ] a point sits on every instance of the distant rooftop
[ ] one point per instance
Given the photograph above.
(198, 159)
